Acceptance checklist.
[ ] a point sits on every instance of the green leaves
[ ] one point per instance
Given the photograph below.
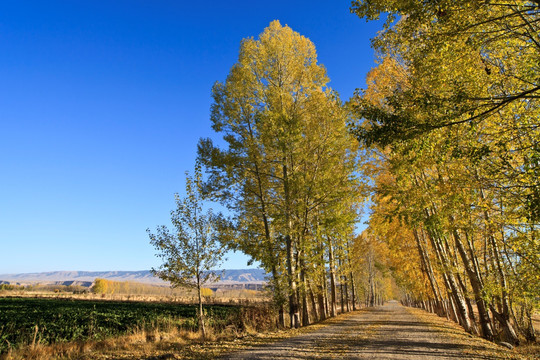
(193, 251)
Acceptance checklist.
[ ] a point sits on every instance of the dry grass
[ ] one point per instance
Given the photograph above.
(151, 343)
(136, 345)
(236, 297)
(170, 344)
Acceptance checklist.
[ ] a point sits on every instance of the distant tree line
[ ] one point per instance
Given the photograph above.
(104, 286)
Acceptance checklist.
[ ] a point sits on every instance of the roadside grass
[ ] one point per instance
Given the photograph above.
(192, 347)
(172, 344)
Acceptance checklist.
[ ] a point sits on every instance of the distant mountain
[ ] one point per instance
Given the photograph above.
(255, 276)
(240, 276)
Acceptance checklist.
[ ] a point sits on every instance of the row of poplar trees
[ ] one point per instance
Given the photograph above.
(452, 112)
(286, 169)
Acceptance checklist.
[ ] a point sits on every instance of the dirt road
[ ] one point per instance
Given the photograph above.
(387, 332)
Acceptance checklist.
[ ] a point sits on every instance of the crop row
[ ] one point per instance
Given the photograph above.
(47, 321)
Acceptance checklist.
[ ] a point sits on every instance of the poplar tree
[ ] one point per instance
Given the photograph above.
(288, 158)
(192, 251)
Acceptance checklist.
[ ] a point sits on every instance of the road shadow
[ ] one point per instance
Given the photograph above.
(390, 332)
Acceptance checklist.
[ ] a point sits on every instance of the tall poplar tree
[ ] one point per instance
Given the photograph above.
(289, 156)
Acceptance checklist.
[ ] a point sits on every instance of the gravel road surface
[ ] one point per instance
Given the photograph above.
(391, 331)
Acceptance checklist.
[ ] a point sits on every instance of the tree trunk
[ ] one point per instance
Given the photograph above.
(424, 256)
(353, 291)
(371, 281)
(305, 310)
(342, 295)
(453, 308)
(293, 299)
(333, 301)
(278, 298)
(341, 286)
(202, 329)
(530, 334)
(278, 295)
(476, 284)
(504, 316)
(313, 302)
(469, 304)
(291, 266)
(323, 294)
(346, 293)
(455, 291)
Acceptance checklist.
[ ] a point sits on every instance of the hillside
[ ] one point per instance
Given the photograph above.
(229, 277)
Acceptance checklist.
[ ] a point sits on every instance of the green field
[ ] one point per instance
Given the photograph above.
(70, 320)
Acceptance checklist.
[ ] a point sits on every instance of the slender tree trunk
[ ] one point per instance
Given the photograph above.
(468, 303)
(278, 298)
(371, 282)
(278, 295)
(503, 317)
(346, 293)
(353, 291)
(350, 275)
(342, 295)
(333, 310)
(293, 299)
(476, 284)
(341, 287)
(323, 288)
(299, 297)
(323, 293)
(454, 314)
(305, 310)
(291, 266)
(202, 328)
(313, 302)
(322, 310)
(429, 270)
(530, 334)
(455, 291)
(325, 296)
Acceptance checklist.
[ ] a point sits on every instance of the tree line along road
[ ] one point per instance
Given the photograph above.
(391, 331)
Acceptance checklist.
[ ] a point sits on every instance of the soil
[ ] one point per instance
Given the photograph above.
(391, 331)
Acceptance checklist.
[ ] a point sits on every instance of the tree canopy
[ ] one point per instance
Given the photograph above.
(290, 164)
(453, 109)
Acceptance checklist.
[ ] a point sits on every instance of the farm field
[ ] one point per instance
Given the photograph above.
(26, 321)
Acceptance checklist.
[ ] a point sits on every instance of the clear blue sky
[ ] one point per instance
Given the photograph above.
(101, 107)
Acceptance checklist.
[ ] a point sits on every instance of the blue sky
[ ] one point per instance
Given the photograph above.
(101, 107)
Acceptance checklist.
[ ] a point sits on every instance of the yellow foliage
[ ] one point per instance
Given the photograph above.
(206, 292)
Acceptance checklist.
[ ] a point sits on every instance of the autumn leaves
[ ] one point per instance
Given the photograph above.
(447, 132)
(453, 109)
(288, 171)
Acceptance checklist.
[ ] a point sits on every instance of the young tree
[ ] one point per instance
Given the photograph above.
(191, 253)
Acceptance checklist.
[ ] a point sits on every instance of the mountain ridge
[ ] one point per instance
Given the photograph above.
(229, 276)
